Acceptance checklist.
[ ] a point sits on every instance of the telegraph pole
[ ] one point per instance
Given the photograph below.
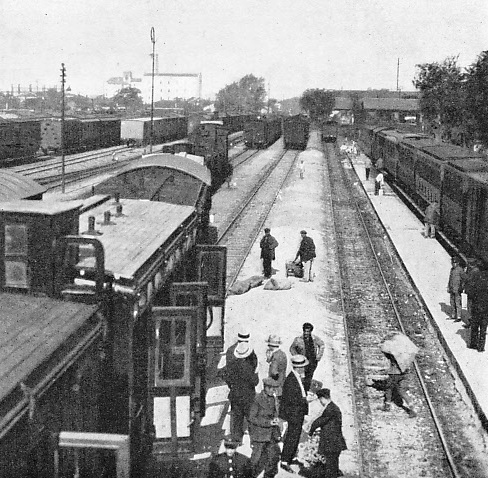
(153, 40)
(63, 80)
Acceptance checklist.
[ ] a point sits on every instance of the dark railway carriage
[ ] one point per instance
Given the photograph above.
(51, 355)
(295, 132)
(51, 135)
(262, 132)
(19, 139)
(109, 132)
(463, 203)
(330, 131)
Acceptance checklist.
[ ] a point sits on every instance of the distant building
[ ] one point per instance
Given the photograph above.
(391, 109)
(168, 86)
(117, 83)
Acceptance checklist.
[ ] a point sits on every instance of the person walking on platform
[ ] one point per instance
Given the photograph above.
(264, 430)
(479, 319)
(230, 463)
(293, 408)
(268, 245)
(472, 277)
(312, 347)
(306, 255)
(301, 168)
(431, 219)
(331, 442)
(367, 166)
(379, 183)
(277, 362)
(242, 379)
(455, 287)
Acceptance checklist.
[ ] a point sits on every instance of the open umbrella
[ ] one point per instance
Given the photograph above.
(402, 348)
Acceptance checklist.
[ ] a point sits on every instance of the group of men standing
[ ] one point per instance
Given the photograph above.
(474, 283)
(305, 254)
(284, 398)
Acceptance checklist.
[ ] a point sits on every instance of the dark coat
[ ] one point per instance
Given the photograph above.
(221, 466)
(268, 245)
(277, 369)
(263, 410)
(298, 346)
(241, 380)
(456, 279)
(306, 250)
(473, 275)
(432, 214)
(480, 293)
(293, 406)
(330, 424)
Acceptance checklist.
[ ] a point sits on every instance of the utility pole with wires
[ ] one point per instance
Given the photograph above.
(398, 77)
(153, 40)
(63, 166)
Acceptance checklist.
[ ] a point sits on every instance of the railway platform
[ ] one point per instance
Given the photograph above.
(428, 264)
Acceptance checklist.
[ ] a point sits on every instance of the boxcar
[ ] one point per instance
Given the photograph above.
(262, 132)
(51, 135)
(19, 139)
(295, 132)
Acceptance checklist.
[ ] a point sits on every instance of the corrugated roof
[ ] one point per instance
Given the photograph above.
(15, 186)
(171, 161)
(392, 104)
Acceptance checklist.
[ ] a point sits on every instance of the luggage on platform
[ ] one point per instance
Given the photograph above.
(293, 269)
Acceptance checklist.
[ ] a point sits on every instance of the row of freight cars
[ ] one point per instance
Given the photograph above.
(23, 139)
(428, 170)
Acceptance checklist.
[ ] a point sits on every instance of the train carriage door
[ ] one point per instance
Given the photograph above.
(212, 268)
(195, 294)
(171, 378)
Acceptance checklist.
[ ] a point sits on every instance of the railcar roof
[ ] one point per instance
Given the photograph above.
(445, 151)
(171, 161)
(33, 328)
(40, 207)
(134, 237)
(469, 164)
(140, 120)
(16, 186)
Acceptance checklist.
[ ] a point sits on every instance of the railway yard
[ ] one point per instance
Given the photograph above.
(374, 275)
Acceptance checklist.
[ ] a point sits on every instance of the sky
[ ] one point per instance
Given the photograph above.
(293, 44)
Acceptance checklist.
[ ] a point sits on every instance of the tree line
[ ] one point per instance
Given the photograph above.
(455, 100)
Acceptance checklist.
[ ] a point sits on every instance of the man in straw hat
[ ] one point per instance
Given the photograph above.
(277, 362)
(265, 431)
(293, 408)
(241, 378)
(230, 462)
(242, 336)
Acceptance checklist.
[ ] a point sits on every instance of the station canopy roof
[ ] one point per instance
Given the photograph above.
(15, 186)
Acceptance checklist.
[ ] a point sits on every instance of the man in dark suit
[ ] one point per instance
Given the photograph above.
(242, 336)
(331, 439)
(268, 245)
(230, 463)
(241, 378)
(293, 408)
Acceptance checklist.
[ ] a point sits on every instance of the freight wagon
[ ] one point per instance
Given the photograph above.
(295, 132)
(261, 132)
(19, 140)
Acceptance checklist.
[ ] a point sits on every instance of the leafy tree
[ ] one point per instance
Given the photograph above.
(246, 95)
(318, 103)
(477, 98)
(442, 93)
(129, 98)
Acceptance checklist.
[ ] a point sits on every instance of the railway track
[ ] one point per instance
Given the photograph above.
(244, 224)
(378, 298)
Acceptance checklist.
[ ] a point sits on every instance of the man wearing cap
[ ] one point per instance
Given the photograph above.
(293, 408)
(264, 430)
(241, 378)
(268, 245)
(331, 439)
(277, 362)
(312, 347)
(306, 255)
(230, 463)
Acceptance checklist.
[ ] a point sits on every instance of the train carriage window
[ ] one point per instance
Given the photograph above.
(172, 351)
(16, 256)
